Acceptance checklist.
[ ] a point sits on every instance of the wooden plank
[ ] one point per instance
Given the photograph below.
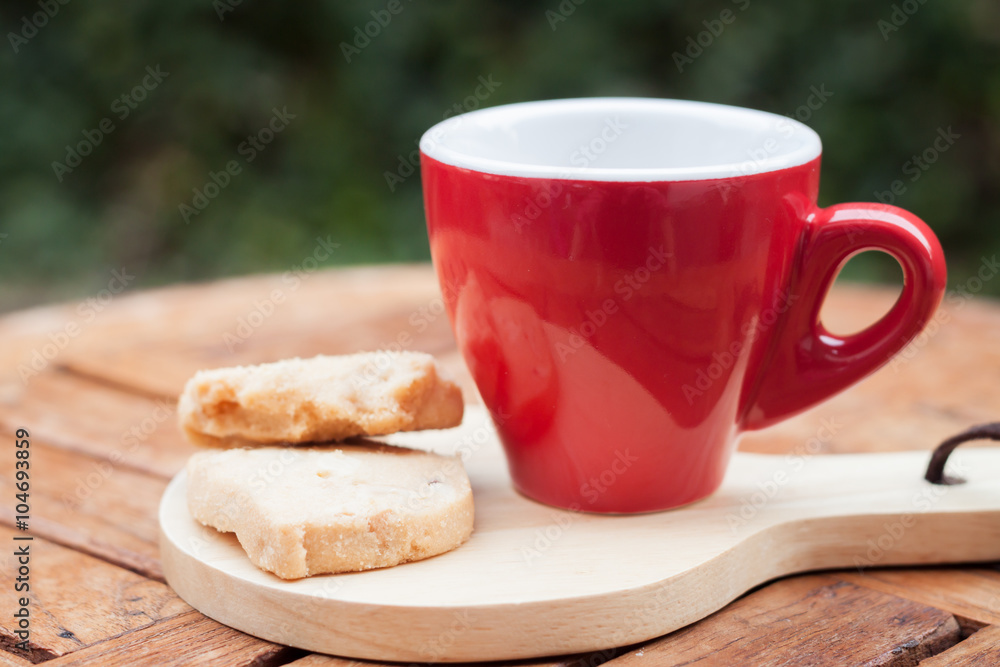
(10, 660)
(190, 320)
(813, 620)
(81, 415)
(980, 650)
(23, 333)
(163, 368)
(185, 639)
(320, 660)
(91, 505)
(973, 593)
(591, 660)
(163, 339)
(78, 600)
(154, 340)
(231, 322)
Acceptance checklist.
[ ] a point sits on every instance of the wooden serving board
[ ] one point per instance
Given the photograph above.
(535, 581)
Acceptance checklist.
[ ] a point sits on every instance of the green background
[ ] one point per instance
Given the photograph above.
(892, 91)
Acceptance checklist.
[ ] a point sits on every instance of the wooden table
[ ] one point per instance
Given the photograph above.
(104, 443)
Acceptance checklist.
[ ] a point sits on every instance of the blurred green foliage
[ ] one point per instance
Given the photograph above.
(892, 89)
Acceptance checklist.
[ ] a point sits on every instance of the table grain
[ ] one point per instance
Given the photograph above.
(100, 408)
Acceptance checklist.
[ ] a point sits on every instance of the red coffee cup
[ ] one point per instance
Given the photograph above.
(635, 282)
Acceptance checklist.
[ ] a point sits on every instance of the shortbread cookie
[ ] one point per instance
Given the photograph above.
(300, 511)
(319, 399)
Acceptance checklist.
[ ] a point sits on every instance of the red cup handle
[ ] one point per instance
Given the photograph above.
(805, 363)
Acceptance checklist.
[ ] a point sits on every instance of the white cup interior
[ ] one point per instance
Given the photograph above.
(621, 139)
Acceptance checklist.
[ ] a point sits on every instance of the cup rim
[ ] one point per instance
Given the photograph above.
(800, 145)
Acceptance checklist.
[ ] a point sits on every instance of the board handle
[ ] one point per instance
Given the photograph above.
(935, 469)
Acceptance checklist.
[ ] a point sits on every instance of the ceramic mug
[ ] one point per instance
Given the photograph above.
(634, 283)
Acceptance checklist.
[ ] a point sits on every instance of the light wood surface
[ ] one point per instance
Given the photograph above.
(609, 580)
(980, 650)
(144, 345)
